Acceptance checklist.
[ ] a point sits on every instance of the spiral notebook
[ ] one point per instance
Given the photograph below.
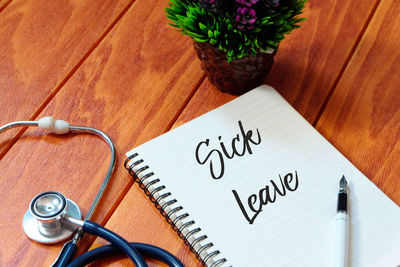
(251, 183)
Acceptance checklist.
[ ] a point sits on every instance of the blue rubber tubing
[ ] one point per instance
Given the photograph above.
(110, 250)
(117, 241)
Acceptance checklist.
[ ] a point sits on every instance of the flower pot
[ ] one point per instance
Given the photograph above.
(235, 77)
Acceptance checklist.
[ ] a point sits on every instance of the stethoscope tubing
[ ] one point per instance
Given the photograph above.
(135, 251)
(123, 245)
(110, 250)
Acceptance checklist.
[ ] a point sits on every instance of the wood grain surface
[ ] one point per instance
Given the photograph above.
(118, 66)
(3, 4)
(41, 44)
(207, 98)
(362, 118)
(132, 86)
(309, 61)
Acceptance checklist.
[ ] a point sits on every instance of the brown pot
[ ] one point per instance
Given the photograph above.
(235, 77)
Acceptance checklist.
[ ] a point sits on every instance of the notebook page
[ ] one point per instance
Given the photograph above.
(272, 202)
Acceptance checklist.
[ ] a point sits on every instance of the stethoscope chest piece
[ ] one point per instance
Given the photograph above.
(43, 221)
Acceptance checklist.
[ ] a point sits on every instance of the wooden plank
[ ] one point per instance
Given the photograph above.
(362, 118)
(206, 98)
(132, 86)
(41, 44)
(309, 61)
(3, 4)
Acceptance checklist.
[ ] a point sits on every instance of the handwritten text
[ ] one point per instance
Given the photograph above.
(216, 156)
(267, 195)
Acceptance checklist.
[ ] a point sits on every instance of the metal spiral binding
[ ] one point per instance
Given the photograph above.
(129, 164)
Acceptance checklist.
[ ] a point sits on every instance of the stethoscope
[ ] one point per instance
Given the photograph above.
(52, 218)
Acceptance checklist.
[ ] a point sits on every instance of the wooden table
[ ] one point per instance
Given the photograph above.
(117, 66)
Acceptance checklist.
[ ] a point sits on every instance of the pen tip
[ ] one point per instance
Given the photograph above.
(343, 182)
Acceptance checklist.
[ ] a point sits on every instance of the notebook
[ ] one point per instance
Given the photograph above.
(252, 183)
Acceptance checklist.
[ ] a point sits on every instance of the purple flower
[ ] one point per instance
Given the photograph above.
(248, 3)
(245, 18)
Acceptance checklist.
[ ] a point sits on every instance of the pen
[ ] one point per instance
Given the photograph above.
(341, 225)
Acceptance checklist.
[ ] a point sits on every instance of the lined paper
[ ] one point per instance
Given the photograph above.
(297, 227)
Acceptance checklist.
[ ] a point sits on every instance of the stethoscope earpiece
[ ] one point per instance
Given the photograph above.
(43, 221)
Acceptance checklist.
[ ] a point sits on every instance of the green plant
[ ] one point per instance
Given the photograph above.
(238, 27)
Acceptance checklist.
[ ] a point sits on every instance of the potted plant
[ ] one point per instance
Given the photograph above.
(236, 40)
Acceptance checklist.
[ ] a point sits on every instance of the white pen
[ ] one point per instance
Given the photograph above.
(341, 225)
